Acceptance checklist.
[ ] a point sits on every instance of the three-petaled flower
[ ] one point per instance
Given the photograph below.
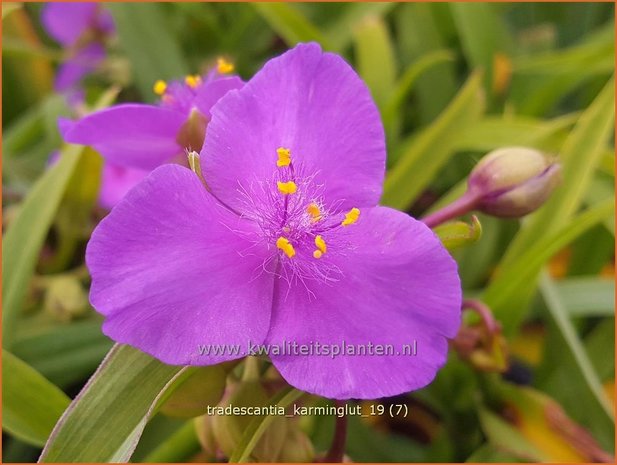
(287, 242)
(136, 138)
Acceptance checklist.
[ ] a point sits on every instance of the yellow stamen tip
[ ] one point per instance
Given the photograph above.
(288, 187)
(284, 157)
(318, 254)
(284, 244)
(314, 212)
(159, 87)
(351, 217)
(223, 66)
(320, 243)
(192, 80)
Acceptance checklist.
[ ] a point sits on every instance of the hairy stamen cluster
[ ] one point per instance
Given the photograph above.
(294, 219)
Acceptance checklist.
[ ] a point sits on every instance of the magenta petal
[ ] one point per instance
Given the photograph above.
(131, 135)
(312, 103)
(172, 269)
(66, 22)
(396, 284)
(211, 92)
(116, 181)
(71, 72)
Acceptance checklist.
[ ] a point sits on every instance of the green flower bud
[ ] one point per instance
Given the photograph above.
(228, 428)
(513, 181)
(297, 447)
(65, 298)
(205, 435)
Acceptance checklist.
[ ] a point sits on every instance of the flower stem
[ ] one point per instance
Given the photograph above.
(464, 204)
(337, 449)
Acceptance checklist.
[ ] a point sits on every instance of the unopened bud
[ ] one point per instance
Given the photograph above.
(297, 447)
(65, 298)
(513, 181)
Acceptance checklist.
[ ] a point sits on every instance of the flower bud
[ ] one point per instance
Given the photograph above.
(65, 298)
(513, 181)
(229, 428)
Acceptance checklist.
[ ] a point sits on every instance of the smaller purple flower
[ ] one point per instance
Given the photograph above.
(135, 138)
(81, 28)
(286, 246)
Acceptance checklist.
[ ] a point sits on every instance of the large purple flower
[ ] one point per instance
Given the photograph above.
(286, 246)
(136, 138)
(81, 28)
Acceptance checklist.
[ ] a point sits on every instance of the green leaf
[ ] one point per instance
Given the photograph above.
(339, 34)
(459, 234)
(149, 44)
(482, 33)
(9, 7)
(64, 354)
(375, 58)
(600, 346)
(494, 132)
(104, 422)
(26, 235)
(584, 398)
(31, 405)
(430, 151)
(177, 448)
(290, 24)
(390, 112)
(258, 426)
(521, 273)
(587, 296)
(504, 437)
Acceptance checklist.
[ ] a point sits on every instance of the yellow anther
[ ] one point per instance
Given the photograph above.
(284, 157)
(288, 187)
(351, 217)
(314, 212)
(318, 254)
(320, 243)
(192, 80)
(223, 66)
(284, 244)
(159, 87)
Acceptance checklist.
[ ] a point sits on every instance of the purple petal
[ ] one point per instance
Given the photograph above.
(66, 22)
(171, 269)
(131, 135)
(72, 71)
(312, 103)
(212, 91)
(116, 181)
(395, 283)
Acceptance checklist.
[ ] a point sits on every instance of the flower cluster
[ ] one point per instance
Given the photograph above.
(286, 242)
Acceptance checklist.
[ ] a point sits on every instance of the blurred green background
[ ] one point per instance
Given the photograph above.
(452, 81)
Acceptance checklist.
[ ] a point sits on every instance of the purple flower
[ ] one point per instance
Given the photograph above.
(286, 246)
(136, 138)
(81, 29)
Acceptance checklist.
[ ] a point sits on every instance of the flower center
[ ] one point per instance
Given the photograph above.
(291, 211)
